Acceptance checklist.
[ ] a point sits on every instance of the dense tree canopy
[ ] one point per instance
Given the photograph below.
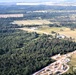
(23, 53)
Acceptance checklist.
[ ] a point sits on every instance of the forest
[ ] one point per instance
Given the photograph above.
(23, 53)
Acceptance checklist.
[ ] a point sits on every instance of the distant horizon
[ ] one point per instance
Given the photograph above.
(39, 2)
(36, 1)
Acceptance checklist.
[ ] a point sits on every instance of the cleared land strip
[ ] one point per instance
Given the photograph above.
(32, 22)
(47, 30)
(10, 15)
(32, 30)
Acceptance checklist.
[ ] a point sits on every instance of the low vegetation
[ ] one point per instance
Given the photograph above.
(72, 64)
(31, 22)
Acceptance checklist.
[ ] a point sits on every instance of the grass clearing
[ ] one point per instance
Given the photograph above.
(32, 22)
(32, 30)
(50, 29)
(47, 30)
(69, 33)
(65, 31)
(72, 64)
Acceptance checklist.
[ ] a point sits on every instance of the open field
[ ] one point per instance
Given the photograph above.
(47, 30)
(44, 28)
(32, 22)
(72, 63)
(61, 30)
(50, 29)
(69, 33)
(32, 30)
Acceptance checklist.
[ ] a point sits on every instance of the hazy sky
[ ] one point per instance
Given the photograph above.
(37, 0)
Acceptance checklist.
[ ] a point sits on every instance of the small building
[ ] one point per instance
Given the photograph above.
(61, 36)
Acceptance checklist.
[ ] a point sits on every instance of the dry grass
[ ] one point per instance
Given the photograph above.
(50, 29)
(66, 31)
(72, 63)
(32, 22)
(69, 33)
(32, 30)
(73, 60)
